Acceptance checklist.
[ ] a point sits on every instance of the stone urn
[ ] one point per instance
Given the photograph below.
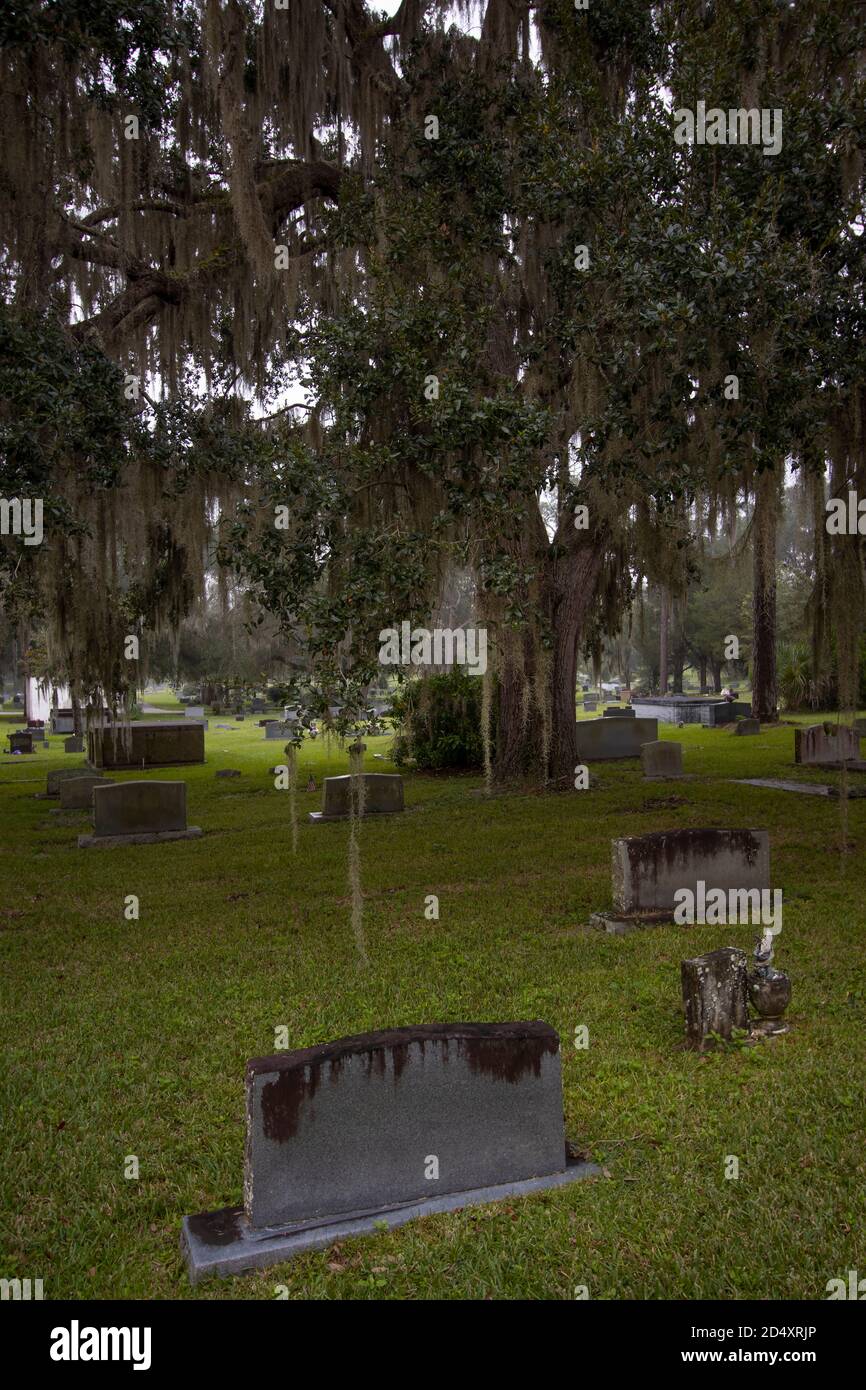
(769, 991)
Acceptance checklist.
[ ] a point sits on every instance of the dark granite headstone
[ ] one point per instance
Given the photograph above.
(139, 813)
(75, 744)
(714, 995)
(383, 795)
(148, 743)
(748, 726)
(383, 1127)
(76, 794)
(21, 741)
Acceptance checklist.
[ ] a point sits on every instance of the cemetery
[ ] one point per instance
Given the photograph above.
(433, 699)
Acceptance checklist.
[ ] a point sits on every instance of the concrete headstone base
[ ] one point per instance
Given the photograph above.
(622, 923)
(222, 1242)
(150, 837)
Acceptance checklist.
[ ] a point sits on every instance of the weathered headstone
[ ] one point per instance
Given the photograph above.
(194, 712)
(274, 729)
(600, 740)
(648, 870)
(139, 813)
(37, 733)
(76, 794)
(75, 744)
(54, 779)
(826, 743)
(747, 726)
(384, 1127)
(714, 995)
(618, 711)
(239, 718)
(383, 795)
(21, 741)
(147, 743)
(227, 772)
(590, 706)
(258, 705)
(62, 721)
(661, 759)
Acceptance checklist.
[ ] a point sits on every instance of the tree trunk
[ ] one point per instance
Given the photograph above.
(678, 649)
(716, 668)
(702, 674)
(764, 524)
(664, 622)
(528, 741)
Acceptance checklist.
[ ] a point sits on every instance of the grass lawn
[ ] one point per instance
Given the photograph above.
(131, 1037)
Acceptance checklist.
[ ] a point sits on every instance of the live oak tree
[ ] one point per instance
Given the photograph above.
(465, 270)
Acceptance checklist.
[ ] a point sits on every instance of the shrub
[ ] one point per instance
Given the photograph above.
(438, 721)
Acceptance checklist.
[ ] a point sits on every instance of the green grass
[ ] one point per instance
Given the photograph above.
(131, 1037)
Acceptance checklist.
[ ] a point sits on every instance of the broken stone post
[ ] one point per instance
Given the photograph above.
(714, 995)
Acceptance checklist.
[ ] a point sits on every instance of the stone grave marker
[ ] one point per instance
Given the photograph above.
(194, 712)
(227, 772)
(826, 743)
(75, 744)
(54, 779)
(618, 711)
(21, 741)
(601, 740)
(146, 743)
(76, 793)
(384, 1127)
(662, 759)
(274, 729)
(747, 726)
(138, 813)
(648, 870)
(590, 706)
(714, 995)
(383, 795)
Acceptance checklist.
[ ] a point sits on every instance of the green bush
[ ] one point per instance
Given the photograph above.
(438, 722)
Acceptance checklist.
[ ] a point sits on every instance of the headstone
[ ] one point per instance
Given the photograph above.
(603, 739)
(384, 1127)
(748, 726)
(662, 759)
(227, 772)
(860, 726)
(147, 743)
(194, 711)
(714, 995)
(826, 743)
(590, 706)
(618, 711)
(383, 795)
(62, 721)
(258, 705)
(239, 718)
(37, 734)
(21, 741)
(649, 869)
(76, 794)
(54, 779)
(75, 744)
(275, 729)
(139, 813)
